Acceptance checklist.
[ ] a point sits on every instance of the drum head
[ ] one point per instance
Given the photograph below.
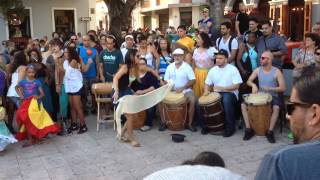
(258, 99)
(211, 98)
(101, 88)
(174, 98)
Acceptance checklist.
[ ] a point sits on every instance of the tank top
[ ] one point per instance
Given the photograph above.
(164, 63)
(123, 82)
(72, 80)
(268, 79)
(14, 82)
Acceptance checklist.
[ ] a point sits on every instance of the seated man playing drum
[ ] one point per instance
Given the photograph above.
(183, 77)
(271, 81)
(225, 79)
(146, 82)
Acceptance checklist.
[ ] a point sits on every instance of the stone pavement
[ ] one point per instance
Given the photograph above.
(98, 155)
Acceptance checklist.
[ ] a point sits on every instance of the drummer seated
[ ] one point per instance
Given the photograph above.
(147, 82)
(225, 79)
(183, 78)
(270, 81)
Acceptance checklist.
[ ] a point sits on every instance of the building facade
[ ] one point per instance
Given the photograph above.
(46, 16)
(163, 13)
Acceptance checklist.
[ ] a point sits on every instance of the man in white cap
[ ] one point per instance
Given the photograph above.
(183, 77)
(128, 44)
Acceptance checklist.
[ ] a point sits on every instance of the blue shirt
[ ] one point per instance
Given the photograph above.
(164, 63)
(293, 162)
(30, 88)
(92, 71)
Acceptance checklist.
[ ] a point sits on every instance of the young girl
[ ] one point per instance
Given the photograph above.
(37, 124)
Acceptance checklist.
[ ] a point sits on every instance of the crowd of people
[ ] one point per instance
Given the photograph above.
(59, 73)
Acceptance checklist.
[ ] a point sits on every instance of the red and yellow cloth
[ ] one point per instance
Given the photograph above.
(33, 119)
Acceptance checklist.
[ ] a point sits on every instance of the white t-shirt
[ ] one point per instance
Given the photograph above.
(225, 45)
(180, 76)
(223, 77)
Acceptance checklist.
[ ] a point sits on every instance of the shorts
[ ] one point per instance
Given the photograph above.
(78, 93)
(275, 101)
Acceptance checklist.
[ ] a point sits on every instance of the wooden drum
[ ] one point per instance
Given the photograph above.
(212, 111)
(175, 111)
(259, 112)
(101, 88)
(139, 119)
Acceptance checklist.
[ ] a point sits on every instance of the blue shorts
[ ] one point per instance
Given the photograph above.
(78, 93)
(275, 101)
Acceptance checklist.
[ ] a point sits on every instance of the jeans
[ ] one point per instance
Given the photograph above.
(150, 115)
(229, 101)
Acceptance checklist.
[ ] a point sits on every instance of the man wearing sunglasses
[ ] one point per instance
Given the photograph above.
(317, 56)
(299, 161)
(271, 81)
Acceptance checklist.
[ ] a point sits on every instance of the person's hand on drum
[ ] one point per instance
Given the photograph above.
(266, 88)
(179, 90)
(206, 93)
(254, 89)
(102, 79)
(218, 89)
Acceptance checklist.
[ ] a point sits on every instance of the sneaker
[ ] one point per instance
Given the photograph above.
(162, 127)
(248, 134)
(270, 137)
(290, 135)
(83, 129)
(145, 128)
(204, 131)
(73, 127)
(192, 129)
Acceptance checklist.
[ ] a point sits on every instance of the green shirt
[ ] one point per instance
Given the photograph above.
(111, 62)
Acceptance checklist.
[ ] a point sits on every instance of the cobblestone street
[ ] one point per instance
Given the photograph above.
(98, 155)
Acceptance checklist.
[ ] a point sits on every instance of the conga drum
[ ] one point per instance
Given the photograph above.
(101, 92)
(175, 111)
(259, 112)
(212, 111)
(139, 119)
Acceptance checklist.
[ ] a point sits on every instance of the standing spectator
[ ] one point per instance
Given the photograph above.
(103, 41)
(253, 27)
(128, 44)
(110, 60)
(306, 56)
(94, 43)
(165, 56)
(316, 28)
(206, 21)
(184, 39)
(317, 56)
(149, 52)
(242, 20)
(274, 43)
(227, 42)
(299, 161)
(203, 59)
(87, 52)
(74, 86)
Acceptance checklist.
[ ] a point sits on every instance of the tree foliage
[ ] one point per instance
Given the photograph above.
(216, 11)
(9, 7)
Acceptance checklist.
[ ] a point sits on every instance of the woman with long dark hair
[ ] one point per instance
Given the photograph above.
(73, 82)
(203, 60)
(164, 51)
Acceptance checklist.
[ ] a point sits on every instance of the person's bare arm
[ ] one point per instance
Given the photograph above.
(232, 57)
(206, 90)
(250, 82)
(157, 56)
(230, 88)
(123, 69)
(237, 28)
(188, 85)
(239, 58)
(102, 78)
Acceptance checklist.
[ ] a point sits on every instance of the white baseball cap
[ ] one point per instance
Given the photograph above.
(129, 36)
(178, 51)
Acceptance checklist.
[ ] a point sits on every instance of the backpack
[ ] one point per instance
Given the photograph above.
(229, 44)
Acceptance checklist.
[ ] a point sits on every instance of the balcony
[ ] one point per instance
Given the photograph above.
(145, 4)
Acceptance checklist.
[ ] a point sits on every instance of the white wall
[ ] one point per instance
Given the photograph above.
(42, 15)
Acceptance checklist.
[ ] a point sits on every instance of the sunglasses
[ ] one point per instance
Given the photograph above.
(291, 106)
(263, 58)
(73, 39)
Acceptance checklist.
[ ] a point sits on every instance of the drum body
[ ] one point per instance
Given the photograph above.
(212, 111)
(259, 112)
(174, 111)
(139, 119)
(101, 88)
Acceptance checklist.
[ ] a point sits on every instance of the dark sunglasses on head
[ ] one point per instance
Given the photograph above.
(291, 106)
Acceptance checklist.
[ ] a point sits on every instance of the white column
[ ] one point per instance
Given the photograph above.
(174, 17)
(154, 20)
(92, 23)
(195, 15)
(315, 12)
